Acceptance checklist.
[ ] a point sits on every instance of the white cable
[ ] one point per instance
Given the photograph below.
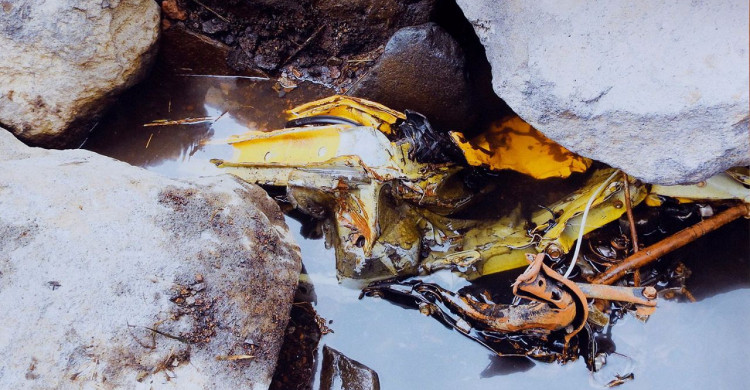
(583, 222)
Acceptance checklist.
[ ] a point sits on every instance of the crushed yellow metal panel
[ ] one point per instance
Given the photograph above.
(514, 144)
(388, 209)
(607, 206)
(347, 169)
(508, 144)
(292, 146)
(503, 244)
(363, 111)
(717, 187)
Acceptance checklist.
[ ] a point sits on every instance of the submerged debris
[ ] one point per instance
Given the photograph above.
(185, 121)
(389, 191)
(390, 194)
(554, 310)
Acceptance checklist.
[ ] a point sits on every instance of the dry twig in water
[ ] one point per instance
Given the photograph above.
(218, 76)
(212, 11)
(186, 121)
(302, 46)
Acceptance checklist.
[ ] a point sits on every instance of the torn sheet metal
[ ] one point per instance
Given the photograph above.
(514, 144)
(718, 187)
(348, 170)
(361, 111)
(553, 307)
(389, 211)
(503, 244)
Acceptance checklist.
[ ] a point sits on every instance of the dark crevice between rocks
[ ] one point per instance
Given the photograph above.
(296, 366)
(341, 45)
(315, 37)
(485, 102)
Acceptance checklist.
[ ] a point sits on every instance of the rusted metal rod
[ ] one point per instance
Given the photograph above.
(640, 295)
(677, 240)
(631, 222)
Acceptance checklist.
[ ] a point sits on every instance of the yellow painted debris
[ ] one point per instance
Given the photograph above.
(363, 111)
(717, 187)
(503, 244)
(303, 145)
(513, 144)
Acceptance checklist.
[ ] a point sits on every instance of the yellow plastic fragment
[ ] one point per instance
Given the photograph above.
(363, 111)
(513, 144)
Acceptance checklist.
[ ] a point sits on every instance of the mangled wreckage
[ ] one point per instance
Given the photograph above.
(390, 194)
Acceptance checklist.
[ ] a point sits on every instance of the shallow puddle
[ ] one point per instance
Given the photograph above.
(683, 345)
(227, 105)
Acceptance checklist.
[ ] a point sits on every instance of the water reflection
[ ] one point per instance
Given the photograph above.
(681, 345)
(506, 365)
(231, 104)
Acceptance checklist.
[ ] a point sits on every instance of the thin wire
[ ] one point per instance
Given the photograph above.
(583, 222)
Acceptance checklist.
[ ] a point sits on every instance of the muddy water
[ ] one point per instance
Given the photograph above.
(683, 345)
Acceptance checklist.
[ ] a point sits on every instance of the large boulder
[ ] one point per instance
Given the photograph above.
(423, 69)
(114, 277)
(63, 61)
(659, 89)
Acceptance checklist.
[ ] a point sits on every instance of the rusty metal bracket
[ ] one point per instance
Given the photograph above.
(555, 304)
(645, 296)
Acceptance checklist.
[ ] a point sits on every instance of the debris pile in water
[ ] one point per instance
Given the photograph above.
(391, 195)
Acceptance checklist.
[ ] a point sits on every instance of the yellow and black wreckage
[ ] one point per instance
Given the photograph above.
(386, 187)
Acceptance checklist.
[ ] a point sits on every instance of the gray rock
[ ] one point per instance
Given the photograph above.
(422, 69)
(64, 61)
(114, 277)
(659, 89)
(341, 373)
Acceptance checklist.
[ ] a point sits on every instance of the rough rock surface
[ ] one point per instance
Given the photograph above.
(422, 69)
(659, 89)
(63, 61)
(115, 277)
(341, 373)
